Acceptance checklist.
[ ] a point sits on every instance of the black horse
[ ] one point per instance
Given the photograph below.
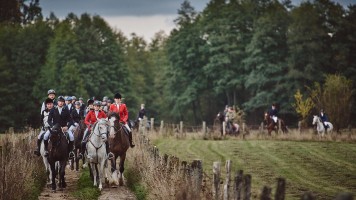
(58, 151)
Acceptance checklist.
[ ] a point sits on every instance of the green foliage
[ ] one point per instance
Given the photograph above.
(85, 189)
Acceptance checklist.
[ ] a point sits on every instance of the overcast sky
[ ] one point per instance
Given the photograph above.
(143, 17)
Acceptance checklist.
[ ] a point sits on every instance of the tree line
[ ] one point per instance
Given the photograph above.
(248, 53)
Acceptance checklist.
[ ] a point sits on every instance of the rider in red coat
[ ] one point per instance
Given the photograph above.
(121, 109)
(90, 119)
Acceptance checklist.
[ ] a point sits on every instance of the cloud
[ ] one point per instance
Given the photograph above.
(144, 26)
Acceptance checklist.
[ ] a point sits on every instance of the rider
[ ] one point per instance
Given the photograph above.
(45, 125)
(77, 114)
(121, 109)
(82, 105)
(273, 113)
(51, 95)
(60, 116)
(108, 103)
(69, 104)
(90, 120)
(231, 118)
(89, 107)
(74, 99)
(141, 113)
(324, 118)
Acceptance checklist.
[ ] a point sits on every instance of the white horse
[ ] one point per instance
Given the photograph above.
(96, 150)
(320, 126)
(46, 163)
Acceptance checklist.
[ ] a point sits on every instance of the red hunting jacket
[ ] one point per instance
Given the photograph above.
(121, 110)
(91, 118)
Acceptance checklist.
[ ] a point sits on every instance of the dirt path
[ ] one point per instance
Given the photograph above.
(117, 193)
(71, 179)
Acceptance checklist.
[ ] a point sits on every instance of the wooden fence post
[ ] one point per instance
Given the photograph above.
(224, 128)
(181, 128)
(238, 185)
(261, 128)
(344, 196)
(227, 181)
(2, 157)
(266, 193)
(243, 128)
(152, 124)
(281, 189)
(216, 180)
(204, 128)
(197, 171)
(247, 188)
(144, 124)
(161, 128)
(279, 127)
(300, 127)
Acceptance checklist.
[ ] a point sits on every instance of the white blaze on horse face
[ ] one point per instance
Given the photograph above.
(112, 129)
(314, 119)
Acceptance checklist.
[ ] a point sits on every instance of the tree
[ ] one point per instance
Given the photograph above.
(303, 106)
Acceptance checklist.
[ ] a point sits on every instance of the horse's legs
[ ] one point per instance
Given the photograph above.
(122, 164)
(53, 169)
(101, 173)
(93, 168)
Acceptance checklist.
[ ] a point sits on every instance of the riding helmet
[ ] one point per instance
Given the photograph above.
(69, 98)
(48, 100)
(77, 103)
(117, 96)
(90, 101)
(60, 98)
(51, 91)
(74, 98)
(97, 103)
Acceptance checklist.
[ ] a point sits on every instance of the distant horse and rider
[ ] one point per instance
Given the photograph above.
(273, 122)
(322, 123)
(229, 116)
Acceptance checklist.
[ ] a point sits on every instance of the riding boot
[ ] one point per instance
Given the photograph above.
(38, 151)
(45, 147)
(82, 150)
(132, 145)
(70, 149)
(110, 154)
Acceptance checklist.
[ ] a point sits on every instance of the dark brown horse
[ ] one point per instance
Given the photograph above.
(273, 126)
(118, 143)
(78, 137)
(58, 151)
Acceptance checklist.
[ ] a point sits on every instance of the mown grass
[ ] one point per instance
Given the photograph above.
(324, 168)
(85, 189)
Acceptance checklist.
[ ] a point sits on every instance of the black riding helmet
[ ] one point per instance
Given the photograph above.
(51, 91)
(90, 102)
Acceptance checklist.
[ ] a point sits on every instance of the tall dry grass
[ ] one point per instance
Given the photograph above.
(163, 177)
(22, 175)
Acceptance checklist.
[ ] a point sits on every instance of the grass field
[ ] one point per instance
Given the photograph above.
(324, 168)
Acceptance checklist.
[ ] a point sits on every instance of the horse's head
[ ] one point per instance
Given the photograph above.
(56, 132)
(266, 117)
(101, 128)
(114, 121)
(220, 116)
(315, 119)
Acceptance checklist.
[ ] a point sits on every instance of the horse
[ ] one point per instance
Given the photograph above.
(96, 151)
(230, 129)
(58, 151)
(273, 126)
(119, 144)
(78, 136)
(320, 126)
(46, 163)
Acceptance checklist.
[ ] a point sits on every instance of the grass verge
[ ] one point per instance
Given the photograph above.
(86, 190)
(134, 179)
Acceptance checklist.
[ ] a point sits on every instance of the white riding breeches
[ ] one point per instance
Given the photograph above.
(70, 134)
(275, 118)
(127, 127)
(71, 128)
(41, 133)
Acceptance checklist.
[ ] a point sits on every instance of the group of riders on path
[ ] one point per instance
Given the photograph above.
(68, 113)
(230, 116)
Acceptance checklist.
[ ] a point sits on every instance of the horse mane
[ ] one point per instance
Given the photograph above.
(116, 115)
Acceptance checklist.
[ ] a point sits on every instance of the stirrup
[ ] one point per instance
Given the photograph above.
(80, 156)
(110, 156)
(71, 155)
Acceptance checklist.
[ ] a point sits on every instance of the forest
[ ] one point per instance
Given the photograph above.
(246, 53)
